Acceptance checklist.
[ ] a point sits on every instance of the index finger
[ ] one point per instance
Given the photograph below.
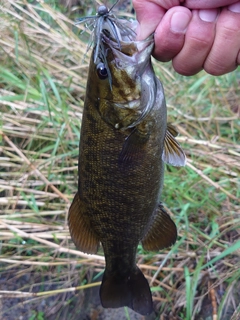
(206, 4)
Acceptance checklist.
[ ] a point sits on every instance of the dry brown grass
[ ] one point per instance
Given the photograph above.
(42, 87)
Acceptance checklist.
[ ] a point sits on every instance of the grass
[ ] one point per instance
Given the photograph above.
(42, 87)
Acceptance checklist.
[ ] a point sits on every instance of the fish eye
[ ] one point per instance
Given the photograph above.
(102, 71)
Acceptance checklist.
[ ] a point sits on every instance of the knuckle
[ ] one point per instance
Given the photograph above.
(200, 43)
(216, 67)
(183, 68)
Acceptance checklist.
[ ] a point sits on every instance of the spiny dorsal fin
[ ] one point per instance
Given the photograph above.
(82, 235)
(162, 233)
(172, 152)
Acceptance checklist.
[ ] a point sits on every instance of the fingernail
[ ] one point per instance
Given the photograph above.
(208, 15)
(179, 22)
(234, 7)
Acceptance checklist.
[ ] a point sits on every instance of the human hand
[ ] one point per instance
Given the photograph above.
(195, 34)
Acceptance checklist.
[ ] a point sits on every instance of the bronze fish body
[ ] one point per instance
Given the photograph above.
(124, 136)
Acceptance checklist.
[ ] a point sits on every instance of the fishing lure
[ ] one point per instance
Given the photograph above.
(105, 22)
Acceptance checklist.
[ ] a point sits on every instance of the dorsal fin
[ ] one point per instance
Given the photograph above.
(172, 151)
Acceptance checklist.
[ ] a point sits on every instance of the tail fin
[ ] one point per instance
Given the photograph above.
(131, 291)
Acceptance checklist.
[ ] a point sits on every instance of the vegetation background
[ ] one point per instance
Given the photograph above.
(42, 87)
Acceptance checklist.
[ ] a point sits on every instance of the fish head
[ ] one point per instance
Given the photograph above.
(120, 73)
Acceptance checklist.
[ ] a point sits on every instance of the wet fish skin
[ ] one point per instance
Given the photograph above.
(121, 170)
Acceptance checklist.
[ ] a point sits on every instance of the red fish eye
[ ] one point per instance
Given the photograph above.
(102, 71)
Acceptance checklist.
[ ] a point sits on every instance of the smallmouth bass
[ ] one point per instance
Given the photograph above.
(124, 143)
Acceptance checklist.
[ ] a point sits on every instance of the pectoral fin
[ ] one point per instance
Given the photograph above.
(133, 147)
(162, 232)
(172, 151)
(172, 130)
(82, 235)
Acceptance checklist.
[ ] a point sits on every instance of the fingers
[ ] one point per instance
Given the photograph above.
(170, 33)
(199, 39)
(224, 56)
(206, 39)
(193, 39)
(206, 4)
(150, 13)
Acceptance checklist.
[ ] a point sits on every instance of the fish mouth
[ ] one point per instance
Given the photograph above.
(126, 50)
(108, 26)
(122, 37)
(119, 35)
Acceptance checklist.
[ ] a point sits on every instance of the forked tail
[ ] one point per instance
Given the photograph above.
(131, 291)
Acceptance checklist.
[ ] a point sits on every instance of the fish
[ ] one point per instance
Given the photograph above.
(124, 142)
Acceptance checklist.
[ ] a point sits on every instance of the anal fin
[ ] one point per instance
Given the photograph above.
(82, 235)
(162, 233)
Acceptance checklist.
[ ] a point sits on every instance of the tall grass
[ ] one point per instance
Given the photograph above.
(42, 87)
